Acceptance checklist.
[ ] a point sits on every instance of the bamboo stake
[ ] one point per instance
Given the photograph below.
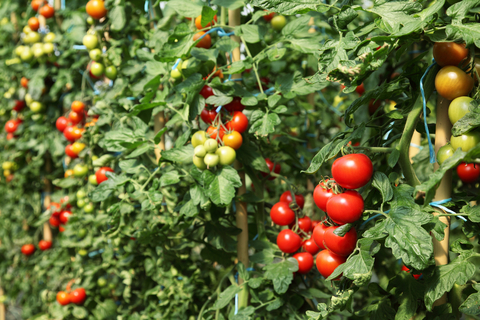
(444, 191)
(2, 307)
(241, 207)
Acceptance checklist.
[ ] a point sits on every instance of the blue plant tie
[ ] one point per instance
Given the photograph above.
(439, 203)
(236, 296)
(176, 64)
(219, 108)
(430, 146)
(79, 47)
(416, 146)
(371, 218)
(255, 238)
(94, 253)
(222, 33)
(130, 98)
(63, 5)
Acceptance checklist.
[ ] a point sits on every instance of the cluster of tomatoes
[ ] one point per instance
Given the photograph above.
(76, 296)
(60, 214)
(455, 84)
(8, 168)
(28, 249)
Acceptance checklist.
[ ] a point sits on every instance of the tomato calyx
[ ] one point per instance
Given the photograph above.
(330, 184)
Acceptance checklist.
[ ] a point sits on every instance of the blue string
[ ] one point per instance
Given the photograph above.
(430, 146)
(236, 296)
(63, 5)
(438, 204)
(79, 47)
(218, 109)
(371, 218)
(416, 146)
(176, 64)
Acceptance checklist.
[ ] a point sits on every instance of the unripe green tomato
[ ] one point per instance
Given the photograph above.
(105, 292)
(38, 52)
(80, 203)
(176, 74)
(458, 108)
(211, 160)
(26, 30)
(101, 282)
(226, 155)
(185, 64)
(444, 153)
(95, 54)
(199, 138)
(4, 21)
(92, 179)
(6, 95)
(27, 54)
(81, 194)
(82, 252)
(200, 151)
(90, 41)
(90, 21)
(49, 37)
(11, 90)
(19, 50)
(211, 145)
(7, 165)
(36, 106)
(111, 72)
(28, 99)
(80, 170)
(94, 157)
(88, 208)
(97, 69)
(33, 37)
(278, 22)
(198, 162)
(466, 141)
(48, 47)
(82, 233)
(37, 45)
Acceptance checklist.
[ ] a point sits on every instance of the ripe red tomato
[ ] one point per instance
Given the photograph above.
(198, 22)
(44, 245)
(304, 224)
(235, 105)
(342, 246)
(269, 17)
(68, 133)
(319, 235)
(64, 216)
(69, 152)
(61, 123)
(288, 241)
(238, 123)
(75, 117)
(233, 140)
(205, 42)
(305, 262)
(54, 221)
(212, 132)
(96, 9)
(47, 11)
(287, 197)
(468, 172)
(281, 214)
(309, 245)
(452, 82)
(449, 53)
(19, 105)
(63, 298)
(77, 133)
(33, 23)
(10, 136)
(78, 296)
(352, 171)
(315, 223)
(327, 262)
(12, 125)
(271, 166)
(28, 249)
(101, 174)
(55, 208)
(407, 270)
(36, 4)
(208, 116)
(360, 89)
(207, 91)
(321, 195)
(345, 207)
(78, 106)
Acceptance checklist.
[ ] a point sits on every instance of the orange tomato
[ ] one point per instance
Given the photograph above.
(24, 82)
(68, 173)
(33, 23)
(449, 53)
(205, 42)
(75, 117)
(233, 140)
(47, 11)
(77, 106)
(96, 9)
(36, 4)
(198, 22)
(452, 82)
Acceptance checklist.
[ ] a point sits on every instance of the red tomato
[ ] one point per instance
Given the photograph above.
(360, 89)
(315, 223)
(69, 152)
(64, 216)
(78, 296)
(75, 117)
(287, 197)
(468, 172)
(309, 245)
(327, 262)
(407, 270)
(321, 195)
(101, 174)
(305, 262)
(305, 224)
(235, 105)
(68, 133)
(47, 11)
(10, 136)
(271, 166)
(212, 132)
(28, 249)
(238, 123)
(452, 82)
(342, 246)
(54, 221)
(44, 245)
(352, 171)
(77, 106)
(63, 298)
(269, 17)
(19, 105)
(233, 140)
(281, 214)
(449, 53)
(36, 4)
(61, 229)
(24, 82)
(205, 42)
(208, 116)
(206, 91)
(288, 241)
(55, 208)
(61, 123)
(319, 235)
(12, 125)
(345, 207)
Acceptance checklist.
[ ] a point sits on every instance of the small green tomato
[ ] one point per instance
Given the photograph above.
(211, 160)
(176, 73)
(199, 138)
(95, 54)
(198, 162)
(88, 208)
(90, 41)
(200, 151)
(211, 145)
(92, 179)
(444, 153)
(49, 37)
(227, 155)
(81, 203)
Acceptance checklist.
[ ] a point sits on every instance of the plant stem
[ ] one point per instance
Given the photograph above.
(377, 211)
(254, 65)
(375, 149)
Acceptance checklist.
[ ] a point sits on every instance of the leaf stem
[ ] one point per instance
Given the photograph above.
(375, 149)
(253, 65)
(378, 211)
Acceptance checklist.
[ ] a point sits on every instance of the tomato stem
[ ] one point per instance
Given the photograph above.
(375, 149)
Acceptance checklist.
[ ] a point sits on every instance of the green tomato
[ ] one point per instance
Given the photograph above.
(92, 179)
(101, 282)
(200, 151)
(26, 30)
(466, 141)
(4, 21)
(458, 108)
(49, 37)
(27, 54)
(97, 69)
(176, 74)
(19, 50)
(185, 64)
(227, 155)
(82, 233)
(444, 153)
(278, 22)
(211, 160)
(111, 72)
(80, 203)
(88, 208)
(33, 37)
(199, 138)
(80, 170)
(95, 54)
(82, 252)
(81, 194)
(48, 47)
(105, 292)
(211, 145)
(36, 106)
(28, 99)
(90, 41)
(38, 52)
(199, 163)
(90, 21)
(7, 165)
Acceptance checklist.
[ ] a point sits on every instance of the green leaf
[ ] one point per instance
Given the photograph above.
(381, 310)
(230, 4)
(393, 158)
(409, 291)
(277, 303)
(251, 33)
(79, 312)
(281, 274)
(158, 136)
(276, 53)
(296, 26)
(222, 184)
(342, 230)
(272, 100)
(290, 7)
(117, 18)
(183, 138)
(207, 16)
(473, 212)
(226, 296)
(468, 32)
(182, 155)
(192, 83)
(262, 124)
(381, 182)
(187, 8)
(459, 271)
(219, 100)
(65, 183)
(145, 147)
(471, 305)
(468, 122)
(169, 178)
(310, 46)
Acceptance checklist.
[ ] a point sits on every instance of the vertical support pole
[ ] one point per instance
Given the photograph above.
(444, 191)
(241, 207)
(417, 137)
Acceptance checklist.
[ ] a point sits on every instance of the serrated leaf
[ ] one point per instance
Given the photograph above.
(262, 124)
(219, 100)
(251, 33)
(182, 155)
(471, 305)
(381, 182)
(393, 158)
(222, 184)
(281, 274)
(290, 7)
(226, 296)
(169, 178)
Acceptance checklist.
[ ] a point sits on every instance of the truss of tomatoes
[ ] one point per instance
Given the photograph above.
(338, 199)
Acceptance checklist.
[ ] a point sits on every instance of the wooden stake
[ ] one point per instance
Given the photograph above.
(159, 124)
(2, 307)
(444, 191)
(415, 144)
